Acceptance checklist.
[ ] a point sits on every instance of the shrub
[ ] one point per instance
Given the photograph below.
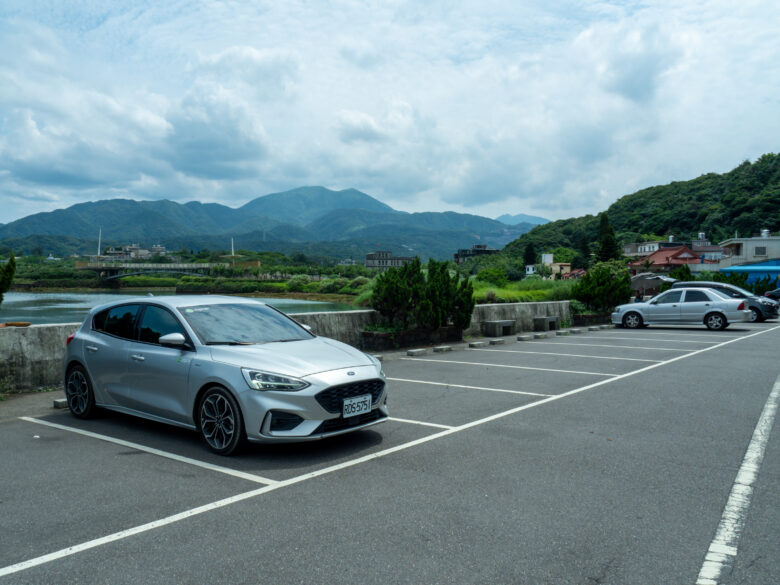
(604, 286)
(495, 275)
(298, 283)
(333, 286)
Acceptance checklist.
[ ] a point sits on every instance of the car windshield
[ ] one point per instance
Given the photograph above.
(241, 324)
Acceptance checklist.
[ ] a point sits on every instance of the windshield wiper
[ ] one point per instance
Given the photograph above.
(230, 343)
(283, 340)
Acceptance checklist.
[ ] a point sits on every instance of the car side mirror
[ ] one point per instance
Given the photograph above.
(173, 340)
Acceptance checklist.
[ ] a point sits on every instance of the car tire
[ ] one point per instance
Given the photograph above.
(632, 320)
(220, 422)
(715, 321)
(755, 315)
(79, 393)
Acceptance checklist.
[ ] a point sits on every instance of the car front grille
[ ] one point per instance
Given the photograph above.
(331, 398)
(339, 424)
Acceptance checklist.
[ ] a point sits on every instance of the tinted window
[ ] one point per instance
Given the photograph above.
(696, 296)
(157, 322)
(670, 297)
(117, 321)
(242, 323)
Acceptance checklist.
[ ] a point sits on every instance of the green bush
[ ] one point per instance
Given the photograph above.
(495, 275)
(334, 286)
(405, 298)
(604, 286)
(298, 282)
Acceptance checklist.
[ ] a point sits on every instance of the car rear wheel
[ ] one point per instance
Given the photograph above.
(78, 392)
(715, 321)
(220, 422)
(755, 315)
(632, 320)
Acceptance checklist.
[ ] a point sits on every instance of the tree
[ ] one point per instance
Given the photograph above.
(607, 248)
(529, 257)
(7, 275)
(682, 273)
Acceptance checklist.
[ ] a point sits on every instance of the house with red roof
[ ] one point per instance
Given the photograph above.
(665, 259)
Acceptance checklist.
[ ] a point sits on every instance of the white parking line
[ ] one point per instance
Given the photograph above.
(469, 387)
(723, 549)
(651, 339)
(677, 349)
(327, 470)
(419, 422)
(150, 450)
(612, 334)
(513, 367)
(593, 357)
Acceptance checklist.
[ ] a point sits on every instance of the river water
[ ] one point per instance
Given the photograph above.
(41, 308)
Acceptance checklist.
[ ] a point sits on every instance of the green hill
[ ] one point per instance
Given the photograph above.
(744, 200)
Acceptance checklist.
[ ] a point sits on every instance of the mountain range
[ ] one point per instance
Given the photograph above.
(314, 220)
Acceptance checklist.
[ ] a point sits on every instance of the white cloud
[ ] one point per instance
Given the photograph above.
(553, 109)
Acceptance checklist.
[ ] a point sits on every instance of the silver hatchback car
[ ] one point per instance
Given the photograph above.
(684, 305)
(233, 369)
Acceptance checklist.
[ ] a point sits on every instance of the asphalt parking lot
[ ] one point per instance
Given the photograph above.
(611, 456)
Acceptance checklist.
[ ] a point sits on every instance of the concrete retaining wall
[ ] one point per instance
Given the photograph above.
(31, 357)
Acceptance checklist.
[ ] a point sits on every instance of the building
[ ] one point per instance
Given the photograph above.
(475, 250)
(384, 260)
(738, 251)
(665, 259)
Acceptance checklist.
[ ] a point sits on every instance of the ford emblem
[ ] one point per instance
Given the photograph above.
(350, 373)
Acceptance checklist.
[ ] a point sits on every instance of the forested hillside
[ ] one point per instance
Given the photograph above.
(744, 201)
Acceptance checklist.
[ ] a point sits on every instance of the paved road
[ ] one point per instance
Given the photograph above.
(606, 457)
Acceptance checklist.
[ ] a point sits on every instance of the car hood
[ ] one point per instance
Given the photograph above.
(294, 358)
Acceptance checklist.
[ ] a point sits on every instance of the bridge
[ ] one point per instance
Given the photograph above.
(115, 270)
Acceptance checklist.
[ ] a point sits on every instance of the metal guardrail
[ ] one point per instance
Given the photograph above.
(149, 266)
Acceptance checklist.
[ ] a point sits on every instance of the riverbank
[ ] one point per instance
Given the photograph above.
(298, 296)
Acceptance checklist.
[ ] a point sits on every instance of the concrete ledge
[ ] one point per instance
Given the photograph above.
(414, 352)
(478, 344)
(594, 328)
(562, 332)
(540, 336)
(525, 337)
(498, 341)
(575, 331)
(442, 348)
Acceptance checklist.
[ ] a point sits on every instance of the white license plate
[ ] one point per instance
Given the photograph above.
(357, 405)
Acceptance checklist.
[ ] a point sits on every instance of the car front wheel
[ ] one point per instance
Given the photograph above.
(220, 422)
(755, 316)
(715, 321)
(632, 320)
(78, 392)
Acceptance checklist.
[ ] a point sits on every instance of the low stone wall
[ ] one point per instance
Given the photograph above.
(31, 357)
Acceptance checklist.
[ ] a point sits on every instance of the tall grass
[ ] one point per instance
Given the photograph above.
(527, 290)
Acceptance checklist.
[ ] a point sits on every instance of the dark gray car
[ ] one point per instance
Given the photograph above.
(233, 369)
(761, 308)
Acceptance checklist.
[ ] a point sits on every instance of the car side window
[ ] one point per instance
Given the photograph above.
(673, 296)
(157, 322)
(696, 296)
(117, 321)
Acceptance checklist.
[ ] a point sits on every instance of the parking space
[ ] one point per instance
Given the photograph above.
(118, 477)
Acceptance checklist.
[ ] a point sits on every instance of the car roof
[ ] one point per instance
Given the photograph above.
(178, 301)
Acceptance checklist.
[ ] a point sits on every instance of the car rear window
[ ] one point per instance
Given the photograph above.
(118, 321)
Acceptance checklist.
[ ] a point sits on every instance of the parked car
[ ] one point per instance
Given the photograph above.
(683, 305)
(232, 369)
(760, 308)
(773, 294)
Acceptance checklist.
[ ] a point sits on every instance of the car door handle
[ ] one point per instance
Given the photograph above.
(92, 348)
(137, 357)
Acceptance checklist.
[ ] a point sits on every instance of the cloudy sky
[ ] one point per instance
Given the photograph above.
(488, 107)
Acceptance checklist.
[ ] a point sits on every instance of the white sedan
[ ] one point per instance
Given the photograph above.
(684, 305)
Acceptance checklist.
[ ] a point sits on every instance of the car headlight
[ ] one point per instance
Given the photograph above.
(268, 381)
(377, 365)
